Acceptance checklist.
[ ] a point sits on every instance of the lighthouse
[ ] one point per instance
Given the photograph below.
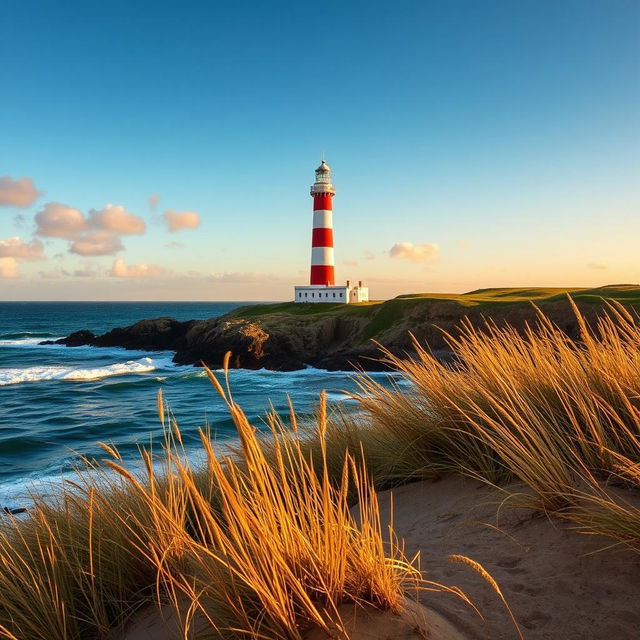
(322, 257)
(322, 287)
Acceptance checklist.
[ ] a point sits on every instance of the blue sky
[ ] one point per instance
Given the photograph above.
(499, 141)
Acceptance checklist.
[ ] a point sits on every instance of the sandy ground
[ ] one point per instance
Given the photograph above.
(555, 583)
(416, 622)
(152, 624)
(558, 583)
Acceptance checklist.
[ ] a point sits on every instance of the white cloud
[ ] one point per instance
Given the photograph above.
(176, 220)
(117, 219)
(369, 255)
(174, 245)
(94, 235)
(596, 265)
(17, 193)
(57, 220)
(8, 268)
(16, 248)
(426, 252)
(96, 243)
(122, 270)
(153, 200)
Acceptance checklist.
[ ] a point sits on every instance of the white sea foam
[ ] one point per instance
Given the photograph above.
(23, 342)
(38, 374)
(49, 483)
(37, 342)
(338, 396)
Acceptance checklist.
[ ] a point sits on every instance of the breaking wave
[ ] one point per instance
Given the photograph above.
(38, 374)
(26, 334)
(21, 341)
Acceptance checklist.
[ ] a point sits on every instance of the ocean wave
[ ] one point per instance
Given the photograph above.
(101, 351)
(339, 396)
(39, 374)
(189, 371)
(26, 334)
(25, 342)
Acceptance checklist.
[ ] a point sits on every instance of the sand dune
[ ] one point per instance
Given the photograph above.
(414, 623)
(559, 583)
(556, 584)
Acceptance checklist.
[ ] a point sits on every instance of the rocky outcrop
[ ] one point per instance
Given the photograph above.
(283, 338)
(281, 344)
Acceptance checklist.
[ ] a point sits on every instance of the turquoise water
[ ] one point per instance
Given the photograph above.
(57, 402)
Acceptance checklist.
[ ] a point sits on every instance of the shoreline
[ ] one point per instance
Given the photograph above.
(333, 337)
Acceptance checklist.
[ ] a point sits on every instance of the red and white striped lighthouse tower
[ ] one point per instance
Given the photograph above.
(322, 260)
(322, 287)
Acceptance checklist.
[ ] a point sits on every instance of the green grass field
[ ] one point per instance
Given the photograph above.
(384, 313)
(624, 293)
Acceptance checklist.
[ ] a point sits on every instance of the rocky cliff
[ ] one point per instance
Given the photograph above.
(291, 336)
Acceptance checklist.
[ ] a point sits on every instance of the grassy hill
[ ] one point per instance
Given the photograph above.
(624, 293)
(383, 315)
(496, 298)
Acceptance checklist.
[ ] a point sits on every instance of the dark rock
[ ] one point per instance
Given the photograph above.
(208, 341)
(76, 339)
(158, 334)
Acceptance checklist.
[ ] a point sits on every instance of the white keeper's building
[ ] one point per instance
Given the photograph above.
(332, 293)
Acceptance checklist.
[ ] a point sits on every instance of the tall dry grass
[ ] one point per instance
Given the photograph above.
(262, 544)
(67, 571)
(259, 545)
(560, 416)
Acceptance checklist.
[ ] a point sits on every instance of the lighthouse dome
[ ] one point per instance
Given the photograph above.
(323, 180)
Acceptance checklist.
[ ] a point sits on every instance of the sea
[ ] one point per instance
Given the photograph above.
(58, 402)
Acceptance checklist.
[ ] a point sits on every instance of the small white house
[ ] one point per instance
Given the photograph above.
(346, 294)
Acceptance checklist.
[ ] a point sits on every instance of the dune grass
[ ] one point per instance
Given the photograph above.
(561, 417)
(258, 545)
(261, 543)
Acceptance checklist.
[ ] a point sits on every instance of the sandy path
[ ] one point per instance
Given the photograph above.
(555, 589)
